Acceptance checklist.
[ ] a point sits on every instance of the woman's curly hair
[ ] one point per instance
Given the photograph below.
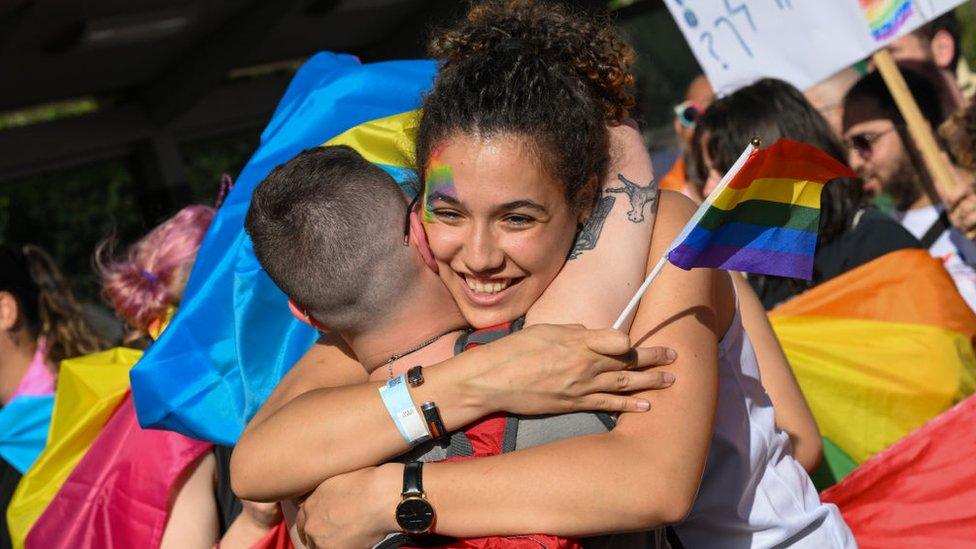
(536, 69)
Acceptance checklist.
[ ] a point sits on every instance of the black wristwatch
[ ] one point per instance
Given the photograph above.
(414, 513)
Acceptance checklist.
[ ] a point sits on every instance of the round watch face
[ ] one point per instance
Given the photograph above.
(415, 515)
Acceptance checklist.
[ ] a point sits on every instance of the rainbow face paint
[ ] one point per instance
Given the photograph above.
(439, 183)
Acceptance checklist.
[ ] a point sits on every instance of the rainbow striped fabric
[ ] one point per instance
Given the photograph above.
(764, 215)
(886, 17)
(878, 351)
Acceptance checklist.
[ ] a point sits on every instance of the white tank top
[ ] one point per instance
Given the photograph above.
(754, 493)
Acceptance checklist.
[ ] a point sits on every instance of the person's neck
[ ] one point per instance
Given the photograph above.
(15, 360)
(426, 312)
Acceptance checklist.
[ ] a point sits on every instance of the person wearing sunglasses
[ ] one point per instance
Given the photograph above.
(883, 154)
(697, 98)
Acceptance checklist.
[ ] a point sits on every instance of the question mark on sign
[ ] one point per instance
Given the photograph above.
(707, 37)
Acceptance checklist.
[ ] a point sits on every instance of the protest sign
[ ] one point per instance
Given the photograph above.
(800, 41)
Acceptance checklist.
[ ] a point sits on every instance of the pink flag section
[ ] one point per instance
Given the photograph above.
(128, 474)
(920, 492)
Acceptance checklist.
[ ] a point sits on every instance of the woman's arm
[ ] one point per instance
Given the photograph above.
(328, 363)
(192, 521)
(791, 411)
(288, 449)
(607, 263)
(644, 473)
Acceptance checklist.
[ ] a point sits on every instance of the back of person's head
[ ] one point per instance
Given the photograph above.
(328, 228)
(537, 70)
(870, 99)
(772, 109)
(151, 277)
(46, 305)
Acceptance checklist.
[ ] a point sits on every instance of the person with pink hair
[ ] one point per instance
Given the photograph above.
(149, 282)
(165, 480)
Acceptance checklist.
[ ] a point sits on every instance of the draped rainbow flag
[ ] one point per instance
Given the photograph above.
(879, 351)
(90, 388)
(233, 338)
(764, 215)
(921, 492)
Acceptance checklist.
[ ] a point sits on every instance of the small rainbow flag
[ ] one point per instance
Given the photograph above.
(764, 215)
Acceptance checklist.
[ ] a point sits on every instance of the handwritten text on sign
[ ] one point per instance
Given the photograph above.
(800, 41)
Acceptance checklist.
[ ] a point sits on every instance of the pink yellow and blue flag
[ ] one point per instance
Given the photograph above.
(764, 216)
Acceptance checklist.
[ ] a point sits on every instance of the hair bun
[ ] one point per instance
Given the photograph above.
(589, 45)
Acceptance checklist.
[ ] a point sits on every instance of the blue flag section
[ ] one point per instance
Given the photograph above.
(233, 338)
(24, 424)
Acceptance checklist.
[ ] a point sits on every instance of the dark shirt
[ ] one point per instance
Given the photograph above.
(9, 477)
(870, 236)
(228, 506)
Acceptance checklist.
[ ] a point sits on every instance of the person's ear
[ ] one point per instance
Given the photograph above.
(302, 316)
(419, 239)
(9, 311)
(943, 48)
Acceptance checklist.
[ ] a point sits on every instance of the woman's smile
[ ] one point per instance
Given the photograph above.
(499, 225)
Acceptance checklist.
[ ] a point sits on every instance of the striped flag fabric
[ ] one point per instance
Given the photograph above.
(764, 216)
(920, 492)
(90, 388)
(878, 351)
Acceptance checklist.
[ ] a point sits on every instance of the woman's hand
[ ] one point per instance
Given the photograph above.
(549, 369)
(540, 370)
(351, 510)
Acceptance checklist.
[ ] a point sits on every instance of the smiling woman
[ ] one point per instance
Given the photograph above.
(516, 146)
(498, 224)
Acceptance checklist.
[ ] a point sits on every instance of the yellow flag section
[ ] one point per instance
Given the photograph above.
(386, 141)
(89, 390)
(878, 351)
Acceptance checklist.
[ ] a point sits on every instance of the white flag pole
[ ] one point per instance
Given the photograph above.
(699, 213)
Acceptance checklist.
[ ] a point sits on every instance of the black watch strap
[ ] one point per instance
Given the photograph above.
(412, 482)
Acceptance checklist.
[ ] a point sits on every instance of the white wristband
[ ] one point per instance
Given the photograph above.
(400, 406)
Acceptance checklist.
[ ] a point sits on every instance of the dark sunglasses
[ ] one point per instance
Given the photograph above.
(862, 143)
(687, 113)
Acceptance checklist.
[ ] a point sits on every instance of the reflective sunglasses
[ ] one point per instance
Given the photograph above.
(687, 113)
(862, 143)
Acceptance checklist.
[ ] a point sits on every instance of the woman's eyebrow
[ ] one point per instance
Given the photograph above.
(444, 197)
(522, 204)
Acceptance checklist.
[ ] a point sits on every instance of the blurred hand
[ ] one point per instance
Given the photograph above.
(961, 207)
